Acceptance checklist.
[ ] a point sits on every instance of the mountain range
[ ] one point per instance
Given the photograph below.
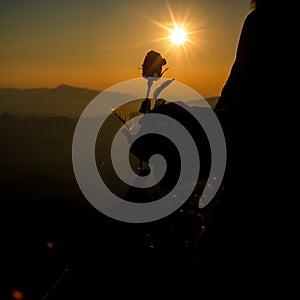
(63, 100)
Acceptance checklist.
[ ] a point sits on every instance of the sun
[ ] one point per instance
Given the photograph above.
(181, 33)
(178, 36)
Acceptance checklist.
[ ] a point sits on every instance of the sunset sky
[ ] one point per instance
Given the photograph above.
(96, 44)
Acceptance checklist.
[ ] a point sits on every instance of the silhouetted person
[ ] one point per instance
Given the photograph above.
(239, 100)
(233, 237)
(240, 89)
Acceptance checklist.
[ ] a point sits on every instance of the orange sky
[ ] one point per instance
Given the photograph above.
(96, 44)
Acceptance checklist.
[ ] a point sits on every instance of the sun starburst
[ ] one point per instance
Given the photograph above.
(179, 33)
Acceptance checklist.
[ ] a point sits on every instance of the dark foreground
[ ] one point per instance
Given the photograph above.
(55, 245)
(61, 248)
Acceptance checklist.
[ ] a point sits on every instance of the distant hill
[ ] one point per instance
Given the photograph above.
(64, 100)
(212, 101)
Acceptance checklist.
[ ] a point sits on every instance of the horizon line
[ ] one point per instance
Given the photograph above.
(65, 85)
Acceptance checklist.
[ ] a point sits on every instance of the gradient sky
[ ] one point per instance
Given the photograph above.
(96, 44)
